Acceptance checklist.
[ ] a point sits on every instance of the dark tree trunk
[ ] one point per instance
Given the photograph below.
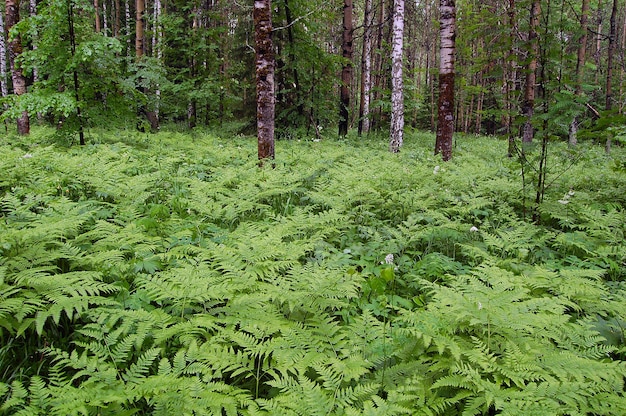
(445, 121)
(15, 49)
(580, 67)
(264, 79)
(346, 73)
(528, 106)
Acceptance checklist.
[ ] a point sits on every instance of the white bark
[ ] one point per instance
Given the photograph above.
(3, 59)
(366, 76)
(397, 86)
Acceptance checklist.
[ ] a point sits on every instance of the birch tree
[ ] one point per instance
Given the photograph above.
(366, 71)
(3, 59)
(346, 72)
(264, 64)
(397, 103)
(15, 49)
(445, 121)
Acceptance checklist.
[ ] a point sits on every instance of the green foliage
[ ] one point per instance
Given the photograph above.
(172, 275)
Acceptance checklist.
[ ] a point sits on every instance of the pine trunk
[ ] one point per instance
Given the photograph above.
(611, 54)
(264, 79)
(397, 93)
(445, 121)
(15, 49)
(346, 72)
(528, 106)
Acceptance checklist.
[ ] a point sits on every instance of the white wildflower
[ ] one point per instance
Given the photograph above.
(480, 306)
(473, 229)
(316, 140)
(571, 192)
(27, 156)
(563, 201)
(389, 258)
(436, 170)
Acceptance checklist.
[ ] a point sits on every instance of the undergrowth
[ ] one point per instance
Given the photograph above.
(170, 275)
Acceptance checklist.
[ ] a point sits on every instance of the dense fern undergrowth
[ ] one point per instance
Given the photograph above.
(169, 275)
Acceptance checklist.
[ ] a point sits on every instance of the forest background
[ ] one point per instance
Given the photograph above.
(159, 269)
(76, 64)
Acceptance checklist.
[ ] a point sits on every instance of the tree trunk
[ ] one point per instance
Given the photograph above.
(4, 89)
(445, 121)
(15, 49)
(528, 106)
(262, 16)
(96, 7)
(140, 6)
(611, 54)
(116, 23)
(509, 81)
(346, 72)
(580, 68)
(72, 34)
(397, 93)
(366, 70)
(609, 65)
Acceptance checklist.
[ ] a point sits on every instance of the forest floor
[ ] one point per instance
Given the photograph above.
(169, 274)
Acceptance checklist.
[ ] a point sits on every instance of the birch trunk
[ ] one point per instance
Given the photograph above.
(266, 103)
(366, 71)
(528, 107)
(346, 72)
(140, 7)
(397, 93)
(445, 121)
(15, 49)
(3, 59)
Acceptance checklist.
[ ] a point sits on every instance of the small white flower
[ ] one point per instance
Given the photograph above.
(389, 259)
(436, 170)
(27, 156)
(473, 229)
(571, 192)
(316, 140)
(480, 306)
(563, 201)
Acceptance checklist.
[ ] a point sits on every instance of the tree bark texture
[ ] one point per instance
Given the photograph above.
(96, 7)
(366, 70)
(4, 89)
(140, 7)
(346, 72)
(528, 106)
(611, 54)
(397, 86)
(445, 121)
(15, 49)
(266, 103)
(580, 67)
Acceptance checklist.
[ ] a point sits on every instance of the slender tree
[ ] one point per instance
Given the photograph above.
(366, 70)
(397, 87)
(445, 121)
(4, 89)
(346, 72)
(266, 103)
(528, 106)
(96, 7)
(140, 7)
(610, 55)
(15, 49)
(580, 67)
(72, 35)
